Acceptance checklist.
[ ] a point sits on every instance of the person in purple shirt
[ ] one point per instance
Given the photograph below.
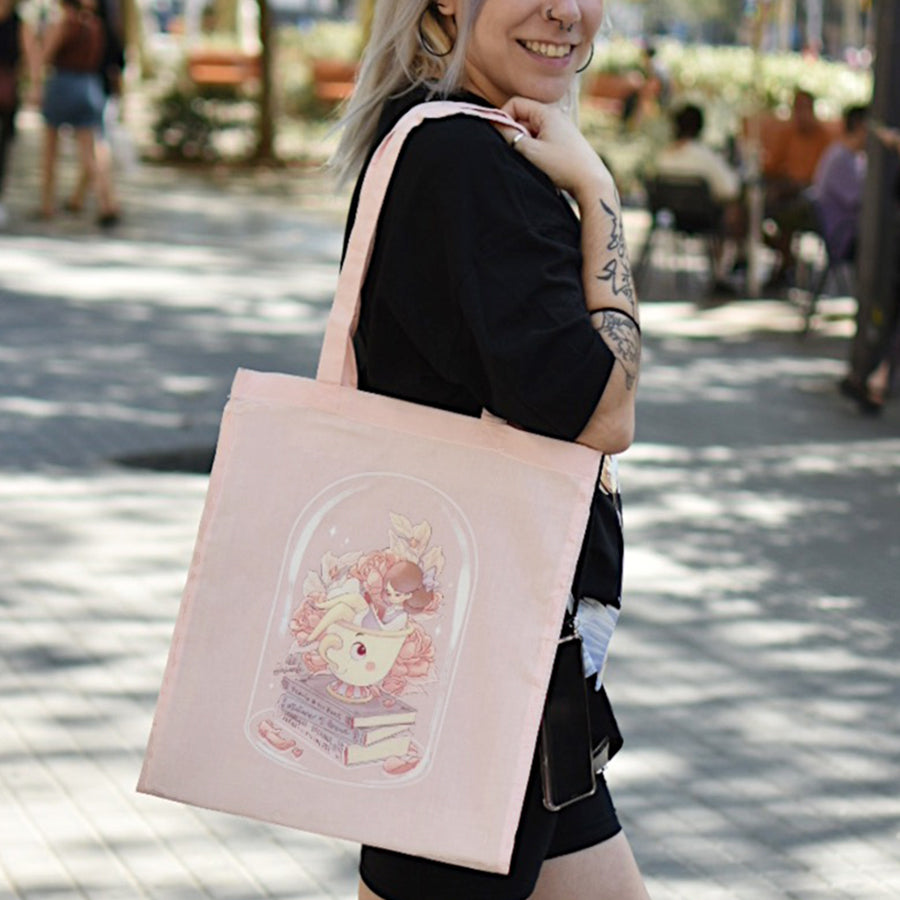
(838, 186)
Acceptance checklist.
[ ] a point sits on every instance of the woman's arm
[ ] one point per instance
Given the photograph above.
(561, 151)
(50, 41)
(29, 45)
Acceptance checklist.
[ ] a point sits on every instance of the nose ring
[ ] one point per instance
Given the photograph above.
(562, 25)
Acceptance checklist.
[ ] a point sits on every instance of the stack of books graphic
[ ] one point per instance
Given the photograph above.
(350, 733)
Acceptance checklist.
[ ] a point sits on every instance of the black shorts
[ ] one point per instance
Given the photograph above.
(542, 835)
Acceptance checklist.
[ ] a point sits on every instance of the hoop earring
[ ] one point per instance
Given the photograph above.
(424, 42)
(589, 59)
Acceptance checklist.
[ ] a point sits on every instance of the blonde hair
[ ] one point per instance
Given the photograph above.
(395, 62)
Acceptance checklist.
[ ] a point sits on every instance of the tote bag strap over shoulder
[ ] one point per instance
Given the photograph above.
(337, 363)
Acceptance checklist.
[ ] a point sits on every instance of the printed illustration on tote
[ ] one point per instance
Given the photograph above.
(366, 655)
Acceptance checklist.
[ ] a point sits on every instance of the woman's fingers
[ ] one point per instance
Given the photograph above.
(512, 135)
(530, 113)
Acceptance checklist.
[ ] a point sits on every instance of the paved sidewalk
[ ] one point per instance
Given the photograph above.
(755, 670)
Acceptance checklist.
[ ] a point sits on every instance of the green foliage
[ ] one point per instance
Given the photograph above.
(191, 127)
(297, 51)
(616, 57)
(723, 16)
(728, 83)
(183, 128)
(338, 40)
(743, 80)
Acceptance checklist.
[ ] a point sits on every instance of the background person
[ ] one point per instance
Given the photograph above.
(485, 291)
(789, 166)
(71, 50)
(110, 70)
(688, 155)
(17, 45)
(838, 186)
(654, 92)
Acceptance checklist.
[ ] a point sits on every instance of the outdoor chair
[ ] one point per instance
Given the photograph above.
(683, 207)
(813, 272)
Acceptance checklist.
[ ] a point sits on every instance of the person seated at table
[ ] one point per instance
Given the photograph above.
(838, 186)
(653, 91)
(687, 154)
(789, 165)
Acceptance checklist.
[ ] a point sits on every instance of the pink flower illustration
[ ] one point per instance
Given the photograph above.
(305, 618)
(370, 569)
(414, 662)
(314, 663)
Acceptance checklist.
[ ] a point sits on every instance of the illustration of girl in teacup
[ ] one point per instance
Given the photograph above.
(360, 641)
(360, 612)
(357, 645)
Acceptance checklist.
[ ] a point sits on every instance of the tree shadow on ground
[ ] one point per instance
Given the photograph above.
(756, 667)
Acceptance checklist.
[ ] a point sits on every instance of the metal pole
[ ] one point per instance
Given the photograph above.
(752, 152)
(879, 228)
(787, 20)
(851, 15)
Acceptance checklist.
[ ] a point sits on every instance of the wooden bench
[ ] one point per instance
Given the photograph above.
(333, 80)
(223, 68)
(609, 91)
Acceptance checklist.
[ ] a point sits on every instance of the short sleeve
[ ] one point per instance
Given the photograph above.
(491, 289)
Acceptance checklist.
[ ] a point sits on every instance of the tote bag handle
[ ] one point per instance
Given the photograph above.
(337, 362)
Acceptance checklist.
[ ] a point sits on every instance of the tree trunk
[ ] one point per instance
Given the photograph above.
(850, 24)
(814, 23)
(787, 21)
(265, 143)
(879, 227)
(365, 13)
(135, 38)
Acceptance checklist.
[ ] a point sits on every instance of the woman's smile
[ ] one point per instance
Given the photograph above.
(548, 50)
(528, 48)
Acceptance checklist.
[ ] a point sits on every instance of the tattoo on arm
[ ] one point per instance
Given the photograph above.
(623, 337)
(617, 270)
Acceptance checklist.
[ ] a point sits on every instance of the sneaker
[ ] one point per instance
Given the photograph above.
(867, 404)
(109, 219)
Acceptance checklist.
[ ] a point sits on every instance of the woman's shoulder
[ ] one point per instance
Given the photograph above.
(465, 160)
(462, 168)
(460, 145)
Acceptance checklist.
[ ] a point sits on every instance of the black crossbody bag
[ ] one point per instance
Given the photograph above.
(578, 734)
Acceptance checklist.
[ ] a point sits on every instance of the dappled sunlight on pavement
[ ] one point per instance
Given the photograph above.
(755, 670)
(756, 665)
(89, 591)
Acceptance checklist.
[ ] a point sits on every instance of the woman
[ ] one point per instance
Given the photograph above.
(110, 71)
(72, 51)
(485, 291)
(16, 43)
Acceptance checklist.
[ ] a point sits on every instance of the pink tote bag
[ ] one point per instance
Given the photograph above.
(373, 606)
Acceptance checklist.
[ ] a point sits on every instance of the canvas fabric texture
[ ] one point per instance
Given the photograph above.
(372, 611)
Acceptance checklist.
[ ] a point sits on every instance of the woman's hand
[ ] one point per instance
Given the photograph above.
(559, 149)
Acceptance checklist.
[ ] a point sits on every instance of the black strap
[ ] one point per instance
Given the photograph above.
(568, 626)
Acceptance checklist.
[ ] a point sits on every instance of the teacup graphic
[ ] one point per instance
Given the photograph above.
(359, 658)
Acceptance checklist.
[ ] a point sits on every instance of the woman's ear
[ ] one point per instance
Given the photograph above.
(447, 7)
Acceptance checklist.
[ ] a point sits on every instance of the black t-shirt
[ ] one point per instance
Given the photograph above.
(10, 40)
(474, 299)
